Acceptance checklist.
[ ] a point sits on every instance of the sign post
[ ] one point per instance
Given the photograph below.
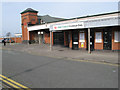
(39, 36)
(89, 40)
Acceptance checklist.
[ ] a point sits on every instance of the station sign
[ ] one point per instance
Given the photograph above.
(68, 26)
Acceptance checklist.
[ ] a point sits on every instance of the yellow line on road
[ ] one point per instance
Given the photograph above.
(94, 62)
(10, 83)
(97, 62)
(18, 84)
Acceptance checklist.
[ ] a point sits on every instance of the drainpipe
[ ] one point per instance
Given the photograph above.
(89, 40)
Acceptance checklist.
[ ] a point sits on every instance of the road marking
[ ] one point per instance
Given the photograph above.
(12, 83)
(9, 83)
(97, 62)
(94, 62)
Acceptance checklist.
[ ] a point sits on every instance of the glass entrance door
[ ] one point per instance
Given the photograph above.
(75, 39)
(58, 38)
(92, 40)
(107, 39)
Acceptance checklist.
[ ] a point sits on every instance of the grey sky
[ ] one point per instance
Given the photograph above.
(11, 19)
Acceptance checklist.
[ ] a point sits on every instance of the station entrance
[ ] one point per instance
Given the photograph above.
(75, 39)
(58, 38)
(107, 39)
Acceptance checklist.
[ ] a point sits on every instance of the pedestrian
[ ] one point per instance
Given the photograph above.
(4, 41)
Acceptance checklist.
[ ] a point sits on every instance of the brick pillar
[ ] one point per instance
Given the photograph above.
(70, 44)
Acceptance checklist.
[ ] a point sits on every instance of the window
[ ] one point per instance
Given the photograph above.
(82, 37)
(98, 37)
(117, 36)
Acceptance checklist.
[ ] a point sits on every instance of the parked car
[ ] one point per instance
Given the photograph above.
(9, 40)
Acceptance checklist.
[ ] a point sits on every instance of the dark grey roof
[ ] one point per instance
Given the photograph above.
(48, 19)
(29, 10)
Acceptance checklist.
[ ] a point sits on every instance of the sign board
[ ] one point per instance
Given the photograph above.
(82, 37)
(82, 44)
(75, 42)
(38, 27)
(68, 26)
(98, 37)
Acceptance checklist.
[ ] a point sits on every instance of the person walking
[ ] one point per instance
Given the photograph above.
(4, 41)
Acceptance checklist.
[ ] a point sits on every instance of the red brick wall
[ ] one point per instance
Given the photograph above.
(27, 17)
(65, 42)
(115, 45)
(1, 38)
(70, 44)
(32, 35)
(66, 34)
(47, 38)
(17, 39)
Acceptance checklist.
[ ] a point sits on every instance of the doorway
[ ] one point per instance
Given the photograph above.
(92, 37)
(58, 38)
(107, 39)
(75, 35)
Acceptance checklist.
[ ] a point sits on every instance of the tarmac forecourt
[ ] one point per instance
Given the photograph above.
(12, 84)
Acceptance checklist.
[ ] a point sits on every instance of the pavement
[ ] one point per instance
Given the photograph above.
(64, 52)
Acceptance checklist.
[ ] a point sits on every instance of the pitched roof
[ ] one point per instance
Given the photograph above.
(89, 16)
(29, 10)
(48, 19)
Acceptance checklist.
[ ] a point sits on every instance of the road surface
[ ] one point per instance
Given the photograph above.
(35, 71)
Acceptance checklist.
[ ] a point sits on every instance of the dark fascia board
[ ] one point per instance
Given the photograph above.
(87, 16)
(29, 11)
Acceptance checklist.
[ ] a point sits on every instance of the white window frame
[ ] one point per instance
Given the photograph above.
(98, 39)
(117, 36)
(82, 39)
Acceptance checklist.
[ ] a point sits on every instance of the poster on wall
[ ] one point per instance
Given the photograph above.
(98, 37)
(117, 36)
(82, 37)
(82, 44)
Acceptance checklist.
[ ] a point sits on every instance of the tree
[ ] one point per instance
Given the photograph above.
(8, 34)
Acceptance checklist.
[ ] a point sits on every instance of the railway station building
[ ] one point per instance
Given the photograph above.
(94, 32)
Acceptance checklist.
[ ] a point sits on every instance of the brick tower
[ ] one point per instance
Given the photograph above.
(28, 16)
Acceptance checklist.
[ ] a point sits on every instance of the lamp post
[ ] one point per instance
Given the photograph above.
(89, 51)
(39, 36)
(50, 40)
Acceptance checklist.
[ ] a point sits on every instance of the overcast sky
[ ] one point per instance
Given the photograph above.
(11, 18)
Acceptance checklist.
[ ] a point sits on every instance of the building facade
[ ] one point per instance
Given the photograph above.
(95, 32)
